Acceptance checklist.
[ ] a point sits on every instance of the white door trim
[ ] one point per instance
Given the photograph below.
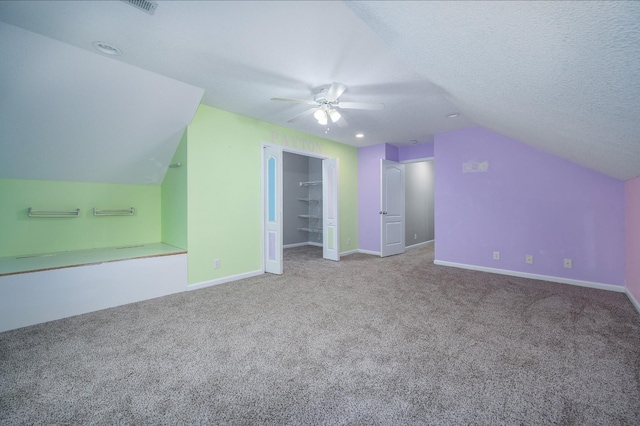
(330, 210)
(263, 184)
(272, 215)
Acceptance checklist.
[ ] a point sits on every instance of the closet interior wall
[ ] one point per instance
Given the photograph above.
(419, 214)
(302, 204)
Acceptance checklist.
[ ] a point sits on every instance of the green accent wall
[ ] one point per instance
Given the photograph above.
(174, 199)
(21, 234)
(224, 190)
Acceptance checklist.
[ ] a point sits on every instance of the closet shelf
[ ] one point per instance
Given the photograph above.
(311, 182)
(310, 200)
(317, 231)
(310, 216)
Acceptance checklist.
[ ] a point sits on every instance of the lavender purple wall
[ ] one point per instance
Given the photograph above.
(415, 152)
(527, 202)
(369, 186)
(632, 233)
(391, 152)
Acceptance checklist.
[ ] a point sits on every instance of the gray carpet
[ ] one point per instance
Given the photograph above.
(360, 341)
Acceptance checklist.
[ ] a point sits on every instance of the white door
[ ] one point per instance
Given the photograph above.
(272, 240)
(330, 234)
(392, 208)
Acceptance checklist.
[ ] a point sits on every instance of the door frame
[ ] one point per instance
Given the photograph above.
(263, 184)
(421, 160)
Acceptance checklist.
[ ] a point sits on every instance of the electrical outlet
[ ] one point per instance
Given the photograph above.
(348, 241)
(496, 255)
(216, 263)
(415, 236)
(529, 259)
(568, 263)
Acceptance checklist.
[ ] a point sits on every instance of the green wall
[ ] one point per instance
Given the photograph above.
(210, 206)
(174, 199)
(21, 234)
(224, 190)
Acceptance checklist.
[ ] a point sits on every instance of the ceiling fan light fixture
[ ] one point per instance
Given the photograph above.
(334, 115)
(326, 106)
(321, 116)
(359, 135)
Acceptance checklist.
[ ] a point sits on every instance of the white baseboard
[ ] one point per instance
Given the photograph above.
(295, 245)
(560, 280)
(415, 246)
(224, 280)
(347, 253)
(634, 301)
(306, 243)
(375, 253)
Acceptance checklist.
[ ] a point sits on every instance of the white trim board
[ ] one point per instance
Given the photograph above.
(610, 287)
(375, 253)
(633, 300)
(293, 245)
(224, 280)
(419, 245)
(416, 160)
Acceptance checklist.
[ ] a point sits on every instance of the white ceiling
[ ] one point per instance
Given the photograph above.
(561, 76)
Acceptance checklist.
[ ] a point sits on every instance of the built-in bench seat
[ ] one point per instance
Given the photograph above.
(50, 286)
(66, 259)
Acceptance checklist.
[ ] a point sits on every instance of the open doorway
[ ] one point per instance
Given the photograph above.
(301, 200)
(300, 204)
(419, 203)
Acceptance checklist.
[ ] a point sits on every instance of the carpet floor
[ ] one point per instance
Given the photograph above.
(365, 340)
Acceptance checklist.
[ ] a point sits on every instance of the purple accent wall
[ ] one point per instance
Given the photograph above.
(369, 196)
(527, 202)
(632, 231)
(391, 152)
(415, 152)
(369, 186)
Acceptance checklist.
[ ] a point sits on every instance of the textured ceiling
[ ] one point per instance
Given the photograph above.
(560, 76)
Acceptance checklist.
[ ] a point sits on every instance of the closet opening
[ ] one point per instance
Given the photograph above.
(300, 206)
(419, 204)
(302, 220)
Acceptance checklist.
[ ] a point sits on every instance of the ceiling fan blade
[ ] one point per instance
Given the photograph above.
(342, 122)
(299, 101)
(303, 114)
(359, 105)
(335, 91)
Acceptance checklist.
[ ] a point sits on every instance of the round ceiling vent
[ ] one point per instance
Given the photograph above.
(106, 48)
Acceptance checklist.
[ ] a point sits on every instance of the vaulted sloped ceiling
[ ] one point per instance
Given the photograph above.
(561, 76)
(68, 114)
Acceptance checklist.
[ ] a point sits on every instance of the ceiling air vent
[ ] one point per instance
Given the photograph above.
(143, 5)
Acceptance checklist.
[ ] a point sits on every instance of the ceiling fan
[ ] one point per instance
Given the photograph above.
(326, 104)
